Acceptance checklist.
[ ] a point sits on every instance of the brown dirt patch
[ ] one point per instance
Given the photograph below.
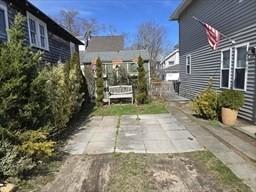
(139, 173)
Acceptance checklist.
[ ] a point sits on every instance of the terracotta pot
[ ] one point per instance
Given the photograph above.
(228, 116)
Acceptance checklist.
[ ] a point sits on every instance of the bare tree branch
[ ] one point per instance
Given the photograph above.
(91, 25)
(151, 36)
(77, 25)
(70, 20)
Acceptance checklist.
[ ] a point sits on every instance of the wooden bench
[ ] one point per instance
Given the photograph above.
(119, 92)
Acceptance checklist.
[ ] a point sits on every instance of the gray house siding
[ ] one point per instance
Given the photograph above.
(232, 17)
(228, 16)
(59, 48)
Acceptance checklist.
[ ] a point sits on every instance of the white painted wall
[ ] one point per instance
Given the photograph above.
(171, 59)
(172, 76)
(82, 47)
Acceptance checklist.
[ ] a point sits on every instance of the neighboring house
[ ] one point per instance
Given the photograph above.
(116, 61)
(169, 67)
(229, 65)
(103, 43)
(42, 33)
(127, 59)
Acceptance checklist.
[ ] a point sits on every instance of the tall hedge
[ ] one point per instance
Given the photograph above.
(33, 104)
(18, 66)
(20, 109)
(142, 94)
(99, 83)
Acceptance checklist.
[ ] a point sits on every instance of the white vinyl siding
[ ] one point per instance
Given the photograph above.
(225, 68)
(38, 35)
(188, 64)
(3, 21)
(240, 69)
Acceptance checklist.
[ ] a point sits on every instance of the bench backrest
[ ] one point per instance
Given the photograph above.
(120, 89)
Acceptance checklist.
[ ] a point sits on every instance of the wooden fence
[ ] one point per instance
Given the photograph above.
(162, 89)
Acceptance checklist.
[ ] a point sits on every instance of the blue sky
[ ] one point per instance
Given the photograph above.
(124, 15)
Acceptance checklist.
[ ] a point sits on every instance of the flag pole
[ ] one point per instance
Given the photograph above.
(232, 41)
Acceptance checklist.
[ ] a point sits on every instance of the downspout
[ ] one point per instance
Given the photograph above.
(254, 96)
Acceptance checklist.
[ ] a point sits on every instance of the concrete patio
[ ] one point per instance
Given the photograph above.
(172, 132)
(159, 133)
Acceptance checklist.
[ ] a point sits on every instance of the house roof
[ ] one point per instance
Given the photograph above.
(56, 28)
(105, 43)
(178, 11)
(124, 55)
(171, 54)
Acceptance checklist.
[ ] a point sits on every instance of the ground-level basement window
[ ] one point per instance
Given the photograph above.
(225, 68)
(3, 22)
(240, 71)
(38, 35)
(188, 64)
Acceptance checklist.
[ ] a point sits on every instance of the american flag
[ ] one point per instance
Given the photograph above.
(213, 35)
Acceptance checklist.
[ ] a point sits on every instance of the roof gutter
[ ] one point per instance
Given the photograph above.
(34, 10)
(178, 11)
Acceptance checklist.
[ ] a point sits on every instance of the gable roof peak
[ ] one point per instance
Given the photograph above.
(178, 11)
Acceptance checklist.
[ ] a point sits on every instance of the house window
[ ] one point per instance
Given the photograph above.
(33, 32)
(225, 68)
(37, 32)
(3, 22)
(171, 63)
(188, 64)
(42, 36)
(240, 71)
(132, 67)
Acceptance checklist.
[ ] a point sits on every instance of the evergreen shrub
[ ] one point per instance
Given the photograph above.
(206, 104)
(142, 94)
(232, 99)
(99, 83)
(35, 103)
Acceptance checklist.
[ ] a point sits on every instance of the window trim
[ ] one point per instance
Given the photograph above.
(221, 68)
(3, 6)
(246, 67)
(38, 22)
(188, 64)
(129, 65)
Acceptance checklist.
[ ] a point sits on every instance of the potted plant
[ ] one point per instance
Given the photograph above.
(230, 101)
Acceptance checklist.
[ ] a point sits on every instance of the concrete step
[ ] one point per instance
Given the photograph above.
(249, 130)
(225, 135)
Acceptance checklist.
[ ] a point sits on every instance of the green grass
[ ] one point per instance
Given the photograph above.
(131, 172)
(223, 173)
(214, 123)
(154, 107)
